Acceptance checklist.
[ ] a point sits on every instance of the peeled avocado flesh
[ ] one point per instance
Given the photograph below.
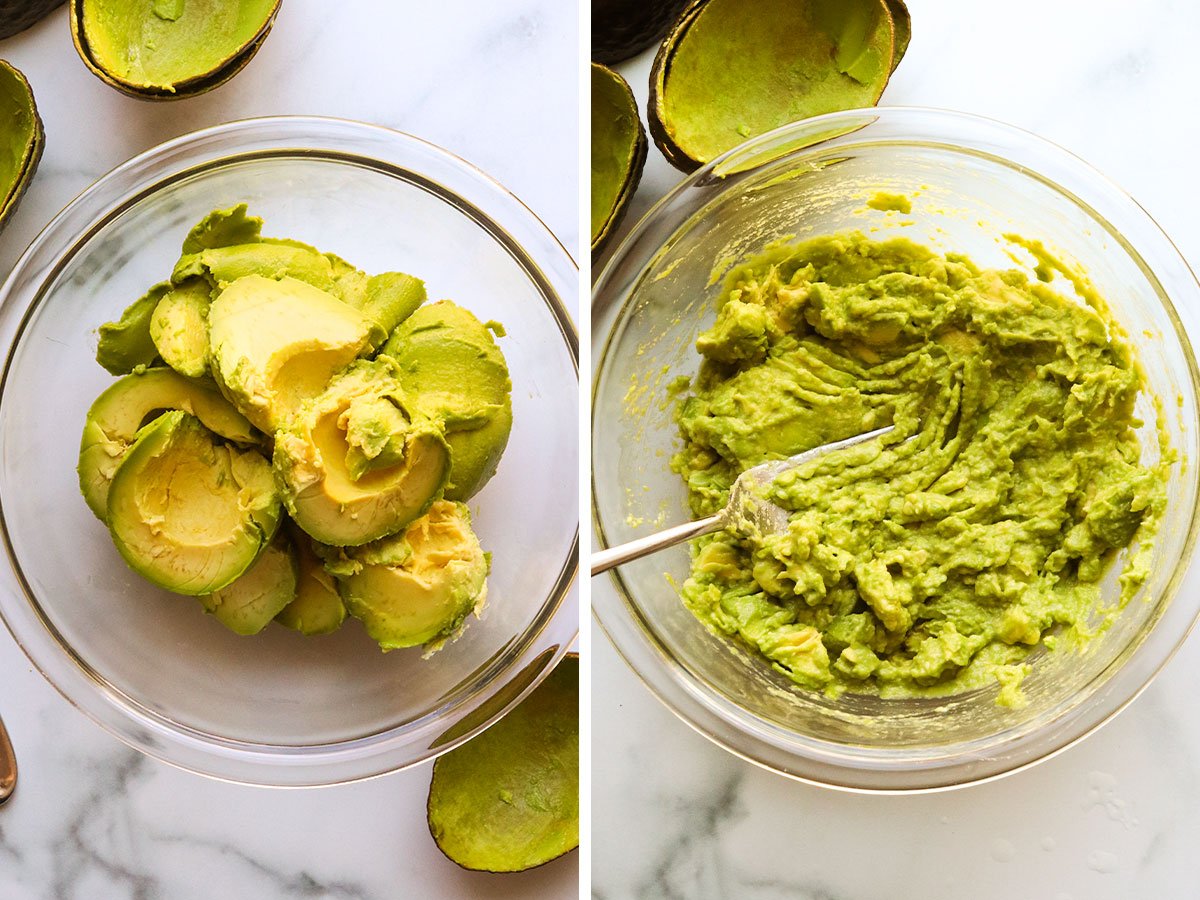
(189, 513)
(318, 456)
(728, 72)
(318, 607)
(618, 152)
(273, 344)
(114, 419)
(937, 559)
(179, 328)
(248, 605)
(163, 45)
(21, 140)
(359, 462)
(453, 372)
(127, 343)
(508, 799)
(419, 586)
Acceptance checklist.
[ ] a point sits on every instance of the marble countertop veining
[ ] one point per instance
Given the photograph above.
(92, 819)
(1113, 818)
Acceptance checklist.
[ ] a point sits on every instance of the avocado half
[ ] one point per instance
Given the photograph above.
(508, 800)
(17, 15)
(418, 586)
(22, 142)
(624, 28)
(169, 49)
(618, 153)
(452, 371)
(188, 512)
(114, 419)
(730, 70)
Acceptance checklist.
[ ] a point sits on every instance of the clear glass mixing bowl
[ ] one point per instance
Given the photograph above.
(280, 708)
(972, 181)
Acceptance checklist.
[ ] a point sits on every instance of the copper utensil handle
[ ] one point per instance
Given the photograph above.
(8, 765)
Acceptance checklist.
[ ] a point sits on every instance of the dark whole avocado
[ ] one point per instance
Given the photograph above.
(624, 28)
(17, 15)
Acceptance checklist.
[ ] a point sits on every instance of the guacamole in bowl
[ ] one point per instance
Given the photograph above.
(993, 580)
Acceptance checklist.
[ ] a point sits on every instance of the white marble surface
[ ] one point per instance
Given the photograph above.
(93, 820)
(1115, 817)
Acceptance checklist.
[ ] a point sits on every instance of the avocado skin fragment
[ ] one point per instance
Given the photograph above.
(21, 143)
(619, 149)
(508, 800)
(902, 23)
(729, 71)
(17, 15)
(622, 29)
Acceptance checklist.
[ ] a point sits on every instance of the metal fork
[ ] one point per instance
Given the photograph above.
(747, 510)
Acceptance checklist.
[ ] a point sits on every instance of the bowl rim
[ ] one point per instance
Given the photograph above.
(711, 714)
(473, 193)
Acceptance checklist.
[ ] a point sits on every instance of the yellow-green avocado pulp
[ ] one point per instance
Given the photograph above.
(934, 560)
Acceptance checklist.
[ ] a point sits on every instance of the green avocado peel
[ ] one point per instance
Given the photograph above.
(508, 800)
(21, 141)
(618, 153)
(730, 70)
(166, 49)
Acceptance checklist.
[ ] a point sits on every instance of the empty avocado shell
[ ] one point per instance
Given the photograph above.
(733, 69)
(902, 23)
(508, 800)
(21, 144)
(17, 15)
(624, 28)
(618, 153)
(169, 49)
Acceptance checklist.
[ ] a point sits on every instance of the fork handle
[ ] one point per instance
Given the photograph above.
(8, 766)
(623, 553)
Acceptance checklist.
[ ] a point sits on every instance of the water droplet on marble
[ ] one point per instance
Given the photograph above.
(1003, 850)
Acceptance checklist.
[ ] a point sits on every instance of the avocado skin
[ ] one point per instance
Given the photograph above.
(622, 29)
(508, 799)
(17, 15)
(9, 203)
(193, 87)
(633, 175)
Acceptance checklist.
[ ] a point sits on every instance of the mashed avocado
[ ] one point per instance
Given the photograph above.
(932, 561)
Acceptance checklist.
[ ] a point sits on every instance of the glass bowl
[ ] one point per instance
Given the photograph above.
(974, 181)
(280, 708)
